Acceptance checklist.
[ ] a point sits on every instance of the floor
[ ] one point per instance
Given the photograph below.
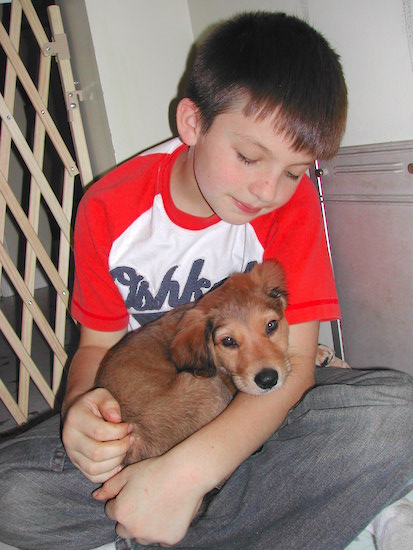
(9, 364)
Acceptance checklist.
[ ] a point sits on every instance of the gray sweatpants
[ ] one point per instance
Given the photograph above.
(343, 454)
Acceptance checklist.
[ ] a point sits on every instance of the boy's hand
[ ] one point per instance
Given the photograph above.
(151, 502)
(94, 437)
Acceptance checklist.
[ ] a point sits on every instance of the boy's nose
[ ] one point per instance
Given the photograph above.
(266, 190)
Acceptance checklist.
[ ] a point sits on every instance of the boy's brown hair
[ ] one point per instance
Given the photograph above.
(273, 65)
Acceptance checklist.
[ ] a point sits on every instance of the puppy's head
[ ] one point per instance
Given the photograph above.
(241, 327)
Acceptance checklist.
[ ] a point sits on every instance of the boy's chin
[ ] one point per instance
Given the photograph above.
(237, 219)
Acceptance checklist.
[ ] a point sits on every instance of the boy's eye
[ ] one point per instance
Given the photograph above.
(245, 159)
(292, 176)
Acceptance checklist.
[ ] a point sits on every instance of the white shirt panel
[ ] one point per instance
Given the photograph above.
(181, 264)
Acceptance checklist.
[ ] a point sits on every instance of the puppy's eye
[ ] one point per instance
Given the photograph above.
(271, 327)
(229, 342)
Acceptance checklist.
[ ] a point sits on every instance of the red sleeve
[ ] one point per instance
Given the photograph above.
(294, 235)
(107, 209)
(96, 302)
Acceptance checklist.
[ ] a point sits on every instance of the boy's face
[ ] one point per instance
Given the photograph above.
(243, 169)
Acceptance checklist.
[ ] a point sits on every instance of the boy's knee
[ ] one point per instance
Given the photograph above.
(388, 416)
(393, 393)
(371, 411)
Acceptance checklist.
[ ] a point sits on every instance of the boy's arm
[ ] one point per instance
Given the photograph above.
(155, 500)
(94, 437)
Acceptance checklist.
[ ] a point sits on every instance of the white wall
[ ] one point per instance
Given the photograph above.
(375, 41)
(142, 46)
(204, 13)
(86, 72)
(141, 49)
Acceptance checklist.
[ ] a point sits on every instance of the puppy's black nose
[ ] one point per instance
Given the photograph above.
(266, 379)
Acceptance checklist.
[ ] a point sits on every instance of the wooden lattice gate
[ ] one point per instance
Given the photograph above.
(39, 194)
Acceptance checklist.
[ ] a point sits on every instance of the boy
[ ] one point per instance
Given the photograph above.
(267, 96)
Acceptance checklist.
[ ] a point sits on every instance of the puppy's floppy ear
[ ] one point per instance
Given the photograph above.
(271, 276)
(190, 348)
(279, 294)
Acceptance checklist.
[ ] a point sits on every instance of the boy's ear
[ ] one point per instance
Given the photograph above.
(187, 121)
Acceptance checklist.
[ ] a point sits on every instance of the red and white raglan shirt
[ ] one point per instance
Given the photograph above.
(137, 255)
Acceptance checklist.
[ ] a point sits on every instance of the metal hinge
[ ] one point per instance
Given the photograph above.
(59, 46)
(72, 101)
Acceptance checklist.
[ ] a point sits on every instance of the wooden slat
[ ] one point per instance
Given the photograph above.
(63, 268)
(34, 22)
(34, 213)
(37, 102)
(68, 84)
(64, 258)
(35, 169)
(60, 328)
(9, 95)
(11, 404)
(25, 358)
(29, 300)
(32, 236)
(10, 85)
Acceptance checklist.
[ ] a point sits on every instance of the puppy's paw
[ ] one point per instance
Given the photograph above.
(327, 358)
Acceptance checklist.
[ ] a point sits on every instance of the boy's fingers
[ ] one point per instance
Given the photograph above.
(100, 460)
(110, 432)
(124, 534)
(111, 414)
(88, 417)
(103, 430)
(104, 405)
(110, 489)
(98, 472)
(110, 410)
(101, 451)
(101, 478)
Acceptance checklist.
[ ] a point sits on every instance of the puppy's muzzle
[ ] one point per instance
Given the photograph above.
(266, 379)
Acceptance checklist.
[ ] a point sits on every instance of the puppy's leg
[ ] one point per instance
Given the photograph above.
(327, 358)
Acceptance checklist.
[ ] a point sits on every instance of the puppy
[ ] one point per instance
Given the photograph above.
(176, 374)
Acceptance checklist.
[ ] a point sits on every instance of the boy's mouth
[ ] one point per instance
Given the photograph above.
(246, 207)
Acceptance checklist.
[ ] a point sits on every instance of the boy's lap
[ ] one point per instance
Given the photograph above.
(36, 473)
(372, 376)
(36, 446)
(36, 477)
(47, 427)
(40, 451)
